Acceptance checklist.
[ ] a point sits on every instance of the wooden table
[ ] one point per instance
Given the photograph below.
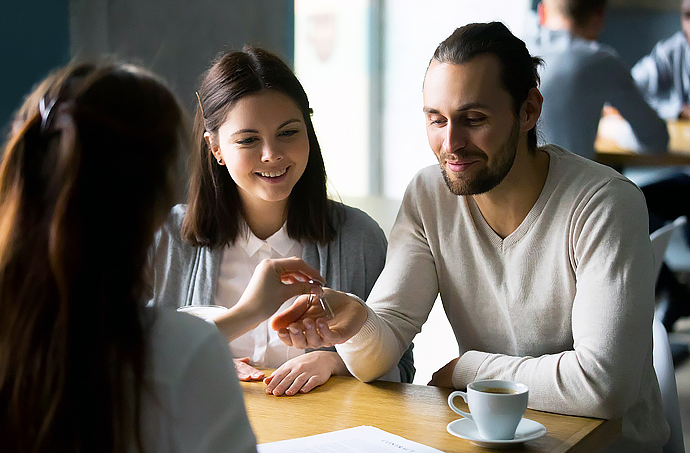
(678, 153)
(415, 412)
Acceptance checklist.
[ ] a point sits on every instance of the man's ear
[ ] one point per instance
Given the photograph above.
(531, 110)
(212, 145)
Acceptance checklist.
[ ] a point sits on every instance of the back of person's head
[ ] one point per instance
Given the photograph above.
(578, 11)
(214, 210)
(85, 180)
(519, 70)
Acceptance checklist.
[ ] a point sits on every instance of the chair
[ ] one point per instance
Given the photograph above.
(663, 366)
(663, 360)
(660, 239)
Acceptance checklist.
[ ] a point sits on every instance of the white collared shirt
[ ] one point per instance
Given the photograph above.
(261, 345)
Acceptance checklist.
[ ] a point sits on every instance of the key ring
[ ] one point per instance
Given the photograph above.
(322, 300)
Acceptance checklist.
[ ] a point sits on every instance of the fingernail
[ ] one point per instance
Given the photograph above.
(293, 330)
(308, 326)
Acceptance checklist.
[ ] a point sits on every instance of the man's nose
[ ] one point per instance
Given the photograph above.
(455, 137)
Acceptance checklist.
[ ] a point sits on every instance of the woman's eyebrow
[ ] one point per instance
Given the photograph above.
(254, 131)
(292, 120)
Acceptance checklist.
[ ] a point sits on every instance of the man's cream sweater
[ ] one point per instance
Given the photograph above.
(563, 304)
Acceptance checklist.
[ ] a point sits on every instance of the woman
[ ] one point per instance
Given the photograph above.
(258, 190)
(85, 181)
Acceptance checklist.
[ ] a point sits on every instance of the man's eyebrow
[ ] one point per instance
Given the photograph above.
(462, 108)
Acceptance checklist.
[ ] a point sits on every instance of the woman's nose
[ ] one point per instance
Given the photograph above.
(271, 153)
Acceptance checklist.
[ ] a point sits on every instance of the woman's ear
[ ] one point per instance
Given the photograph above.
(213, 146)
(531, 110)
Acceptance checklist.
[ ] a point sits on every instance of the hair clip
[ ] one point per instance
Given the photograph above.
(45, 112)
(200, 106)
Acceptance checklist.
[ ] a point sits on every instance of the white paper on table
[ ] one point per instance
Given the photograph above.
(362, 439)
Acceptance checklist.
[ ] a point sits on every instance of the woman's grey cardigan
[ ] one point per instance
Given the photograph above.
(184, 274)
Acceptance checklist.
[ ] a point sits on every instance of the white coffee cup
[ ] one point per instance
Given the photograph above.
(496, 407)
(206, 312)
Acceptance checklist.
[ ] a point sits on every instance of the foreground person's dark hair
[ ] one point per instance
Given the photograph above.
(85, 181)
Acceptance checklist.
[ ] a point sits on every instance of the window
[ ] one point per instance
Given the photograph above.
(362, 63)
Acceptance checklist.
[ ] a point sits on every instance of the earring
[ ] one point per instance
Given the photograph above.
(221, 161)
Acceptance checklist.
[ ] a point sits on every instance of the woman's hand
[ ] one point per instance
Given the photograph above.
(444, 376)
(274, 281)
(304, 373)
(305, 325)
(246, 372)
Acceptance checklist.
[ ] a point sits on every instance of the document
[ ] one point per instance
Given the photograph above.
(362, 439)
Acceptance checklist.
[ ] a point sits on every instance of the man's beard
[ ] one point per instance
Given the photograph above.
(489, 177)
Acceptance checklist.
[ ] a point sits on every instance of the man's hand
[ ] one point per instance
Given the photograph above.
(246, 372)
(304, 325)
(444, 376)
(304, 373)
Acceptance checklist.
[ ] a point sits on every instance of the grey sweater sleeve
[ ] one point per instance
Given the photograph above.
(181, 274)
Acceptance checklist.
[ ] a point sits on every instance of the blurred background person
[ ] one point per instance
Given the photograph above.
(581, 75)
(580, 79)
(663, 77)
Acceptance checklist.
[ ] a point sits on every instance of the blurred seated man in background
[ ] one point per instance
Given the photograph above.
(663, 77)
(579, 77)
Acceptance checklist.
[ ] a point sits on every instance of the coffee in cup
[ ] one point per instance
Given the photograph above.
(496, 407)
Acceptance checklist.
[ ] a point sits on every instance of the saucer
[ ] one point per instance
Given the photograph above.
(466, 429)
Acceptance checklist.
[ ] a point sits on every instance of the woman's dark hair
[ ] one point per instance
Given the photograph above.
(214, 213)
(518, 68)
(85, 181)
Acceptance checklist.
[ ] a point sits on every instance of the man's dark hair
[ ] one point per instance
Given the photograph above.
(579, 11)
(518, 68)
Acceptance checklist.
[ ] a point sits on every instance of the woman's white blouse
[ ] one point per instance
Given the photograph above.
(261, 345)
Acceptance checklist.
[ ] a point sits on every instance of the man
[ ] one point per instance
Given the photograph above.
(581, 75)
(664, 75)
(542, 258)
